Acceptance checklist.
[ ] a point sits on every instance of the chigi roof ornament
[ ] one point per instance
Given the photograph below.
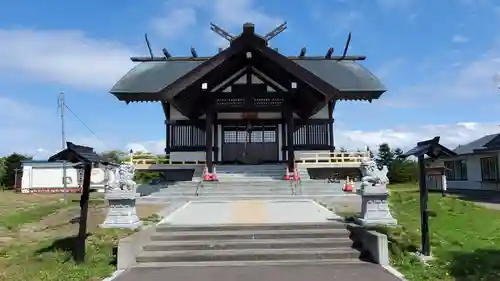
(248, 30)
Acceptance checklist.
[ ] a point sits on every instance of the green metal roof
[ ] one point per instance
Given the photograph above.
(154, 76)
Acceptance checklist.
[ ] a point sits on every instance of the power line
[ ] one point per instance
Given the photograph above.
(85, 125)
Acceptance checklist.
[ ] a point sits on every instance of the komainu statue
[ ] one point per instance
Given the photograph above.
(121, 195)
(372, 176)
(121, 179)
(374, 194)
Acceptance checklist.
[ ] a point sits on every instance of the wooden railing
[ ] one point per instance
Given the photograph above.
(332, 157)
(304, 158)
(152, 159)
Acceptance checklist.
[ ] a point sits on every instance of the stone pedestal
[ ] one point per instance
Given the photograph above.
(375, 209)
(122, 212)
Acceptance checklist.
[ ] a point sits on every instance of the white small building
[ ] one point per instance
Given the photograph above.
(475, 166)
(44, 176)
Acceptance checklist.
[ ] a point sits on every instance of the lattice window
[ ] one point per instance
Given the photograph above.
(256, 136)
(269, 136)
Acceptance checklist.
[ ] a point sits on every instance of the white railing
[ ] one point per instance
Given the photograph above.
(332, 157)
(303, 158)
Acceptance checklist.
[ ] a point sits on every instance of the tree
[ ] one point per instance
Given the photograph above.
(146, 176)
(115, 156)
(11, 166)
(372, 155)
(403, 170)
(384, 156)
(397, 152)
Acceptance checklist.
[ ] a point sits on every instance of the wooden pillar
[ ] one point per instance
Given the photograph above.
(166, 111)
(289, 135)
(216, 138)
(79, 254)
(209, 122)
(331, 107)
(167, 137)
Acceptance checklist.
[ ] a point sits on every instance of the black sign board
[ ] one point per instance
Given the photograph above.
(432, 149)
(86, 157)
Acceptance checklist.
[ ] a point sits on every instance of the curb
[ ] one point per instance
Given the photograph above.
(166, 212)
(394, 272)
(114, 275)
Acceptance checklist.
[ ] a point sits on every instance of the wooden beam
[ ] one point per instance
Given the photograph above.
(166, 109)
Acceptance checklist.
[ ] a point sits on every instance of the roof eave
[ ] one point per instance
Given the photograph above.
(359, 95)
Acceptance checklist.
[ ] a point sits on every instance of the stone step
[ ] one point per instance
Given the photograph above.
(247, 254)
(337, 197)
(257, 191)
(250, 227)
(247, 179)
(248, 194)
(249, 234)
(249, 244)
(239, 186)
(259, 171)
(248, 184)
(331, 262)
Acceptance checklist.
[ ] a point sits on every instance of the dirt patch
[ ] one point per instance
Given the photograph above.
(144, 211)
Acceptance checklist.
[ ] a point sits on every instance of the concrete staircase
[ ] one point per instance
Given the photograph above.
(237, 182)
(242, 173)
(248, 244)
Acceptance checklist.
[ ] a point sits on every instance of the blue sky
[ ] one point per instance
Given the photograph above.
(437, 59)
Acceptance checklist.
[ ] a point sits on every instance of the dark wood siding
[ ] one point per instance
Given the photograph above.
(186, 137)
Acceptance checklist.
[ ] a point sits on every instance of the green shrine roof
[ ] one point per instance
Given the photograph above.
(154, 76)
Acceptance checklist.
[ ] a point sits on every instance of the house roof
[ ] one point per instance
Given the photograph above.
(478, 144)
(154, 76)
(430, 148)
(77, 154)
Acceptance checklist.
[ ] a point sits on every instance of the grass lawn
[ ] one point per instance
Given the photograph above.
(465, 238)
(36, 234)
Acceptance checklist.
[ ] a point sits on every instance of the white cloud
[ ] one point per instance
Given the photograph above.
(35, 131)
(405, 137)
(157, 147)
(235, 12)
(64, 57)
(22, 125)
(389, 68)
(175, 22)
(460, 39)
(228, 14)
(469, 80)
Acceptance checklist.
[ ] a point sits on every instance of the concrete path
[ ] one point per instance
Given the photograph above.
(358, 272)
(250, 211)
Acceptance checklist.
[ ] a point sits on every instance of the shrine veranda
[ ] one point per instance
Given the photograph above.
(249, 104)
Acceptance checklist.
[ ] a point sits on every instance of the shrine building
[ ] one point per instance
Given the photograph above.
(248, 104)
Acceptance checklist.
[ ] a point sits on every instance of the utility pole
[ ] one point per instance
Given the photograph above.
(63, 145)
(16, 170)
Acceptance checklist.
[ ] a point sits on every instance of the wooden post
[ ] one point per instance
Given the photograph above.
(289, 137)
(209, 136)
(331, 139)
(424, 213)
(216, 138)
(84, 207)
(167, 137)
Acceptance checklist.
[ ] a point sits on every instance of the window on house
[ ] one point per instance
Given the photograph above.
(489, 168)
(456, 170)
